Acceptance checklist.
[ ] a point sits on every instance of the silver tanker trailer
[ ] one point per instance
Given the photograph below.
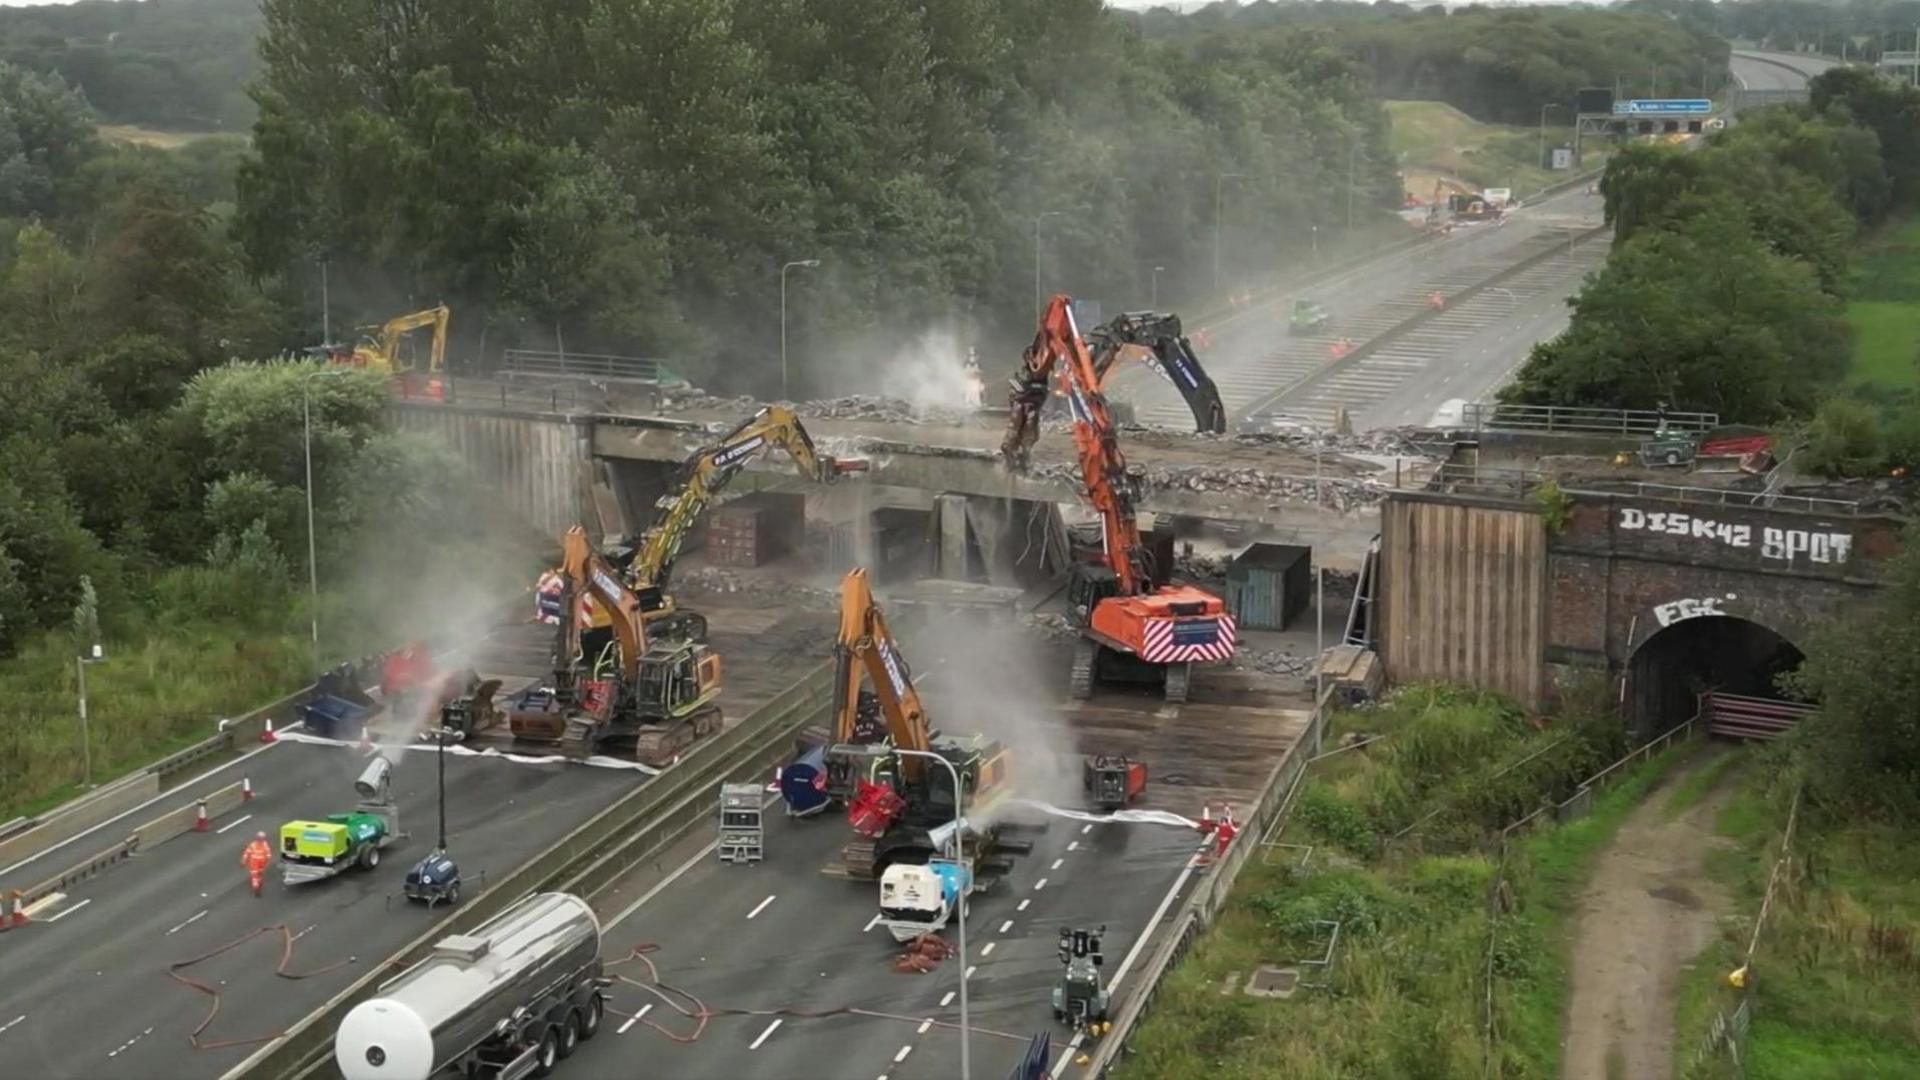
(503, 1002)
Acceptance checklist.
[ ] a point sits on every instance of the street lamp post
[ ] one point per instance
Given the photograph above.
(1219, 188)
(1155, 304)
(86, 743)
(1353, 149)
(953, 774)
(1541, 155)
(808, 263)
(313, 562)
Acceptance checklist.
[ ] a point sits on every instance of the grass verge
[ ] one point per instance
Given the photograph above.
(1434, 138)
(1883, 311)
(1836, 975)
(1405, 997)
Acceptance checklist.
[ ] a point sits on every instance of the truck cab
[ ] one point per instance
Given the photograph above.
(917, 900)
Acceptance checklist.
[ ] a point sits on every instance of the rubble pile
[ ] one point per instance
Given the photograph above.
(1394, 441)
(887, 410)
(784, 593)
(1191, 566)
(1050, 625)
(1272, 662)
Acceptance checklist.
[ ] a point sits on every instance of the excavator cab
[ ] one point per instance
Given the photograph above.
(674, 699)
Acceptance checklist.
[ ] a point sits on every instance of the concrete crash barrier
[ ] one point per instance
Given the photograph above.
(70, 819)
(620, 836)
(1208, 896)
(145, 837)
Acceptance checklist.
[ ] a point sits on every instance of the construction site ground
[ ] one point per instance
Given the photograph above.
(791, 961)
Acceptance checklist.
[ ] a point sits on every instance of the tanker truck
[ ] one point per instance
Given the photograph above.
(505, 1001)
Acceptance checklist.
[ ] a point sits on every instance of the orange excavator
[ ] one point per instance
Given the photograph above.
(895, 801)
(659, 694)
(1131, 629)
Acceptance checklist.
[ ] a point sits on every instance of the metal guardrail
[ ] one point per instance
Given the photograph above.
(1210, 894)
(566, 365)
(1497, 416)
(1731, 497)
(629, 831)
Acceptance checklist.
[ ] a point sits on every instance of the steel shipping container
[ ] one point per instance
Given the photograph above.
(1268, 585)
(757, 528)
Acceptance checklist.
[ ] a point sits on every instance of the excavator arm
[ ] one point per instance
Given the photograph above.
(1103, 470)
(866, 649)
(585, 572)
(706, 473)
(384, 352)
(1168, 352)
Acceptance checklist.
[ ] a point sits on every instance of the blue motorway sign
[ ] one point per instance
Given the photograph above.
(1662, 106)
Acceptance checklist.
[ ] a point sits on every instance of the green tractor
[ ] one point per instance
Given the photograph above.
(1309, 317)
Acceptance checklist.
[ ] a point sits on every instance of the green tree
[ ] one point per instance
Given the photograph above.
(1702, 314)
(45, 135)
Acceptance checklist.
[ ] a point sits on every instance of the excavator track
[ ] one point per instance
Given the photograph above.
(1178, 678)
(660, 742)
(1085, 653)
(858, 857)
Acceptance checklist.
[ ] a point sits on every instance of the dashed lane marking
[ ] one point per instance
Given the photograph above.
(189, 922)
(763, 1035)
(761, 906)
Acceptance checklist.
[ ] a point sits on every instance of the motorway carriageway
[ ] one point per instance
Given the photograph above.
(753, 940)
(84, 989)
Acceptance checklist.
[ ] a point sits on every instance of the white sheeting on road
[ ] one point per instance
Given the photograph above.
(1118, 817)
(598, 761)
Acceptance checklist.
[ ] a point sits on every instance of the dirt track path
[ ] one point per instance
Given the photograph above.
(1647, 912)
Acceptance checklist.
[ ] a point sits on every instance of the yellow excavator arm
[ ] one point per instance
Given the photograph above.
(585, 573)
(384, 352)
(867, 650)
(706, 473)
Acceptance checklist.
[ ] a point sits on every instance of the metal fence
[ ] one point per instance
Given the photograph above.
(1495, 416)
(524, 363)
(1726, 1035)
(1729, 497)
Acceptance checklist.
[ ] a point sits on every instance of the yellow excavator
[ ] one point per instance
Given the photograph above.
(661, 694)
(382, 352)
(896, 801)
(702, 477)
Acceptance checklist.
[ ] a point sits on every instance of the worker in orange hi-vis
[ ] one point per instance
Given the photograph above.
(256, 858)
(1224, 831)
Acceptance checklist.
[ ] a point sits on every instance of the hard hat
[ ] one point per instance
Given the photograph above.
(259, 836)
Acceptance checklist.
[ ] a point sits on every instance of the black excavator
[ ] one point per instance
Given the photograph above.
(1157, 339)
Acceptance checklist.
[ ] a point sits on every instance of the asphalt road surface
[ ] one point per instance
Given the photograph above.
(1756, 70)
(754, 940)
(1245, 356)
(84, 990)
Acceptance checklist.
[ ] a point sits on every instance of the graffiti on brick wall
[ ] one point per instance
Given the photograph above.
(1681, 610)
(1783, 545)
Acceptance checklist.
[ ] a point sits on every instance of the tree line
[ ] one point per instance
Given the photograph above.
(633, 177)
(1724, 290)
(1495, 64)
(179, 65)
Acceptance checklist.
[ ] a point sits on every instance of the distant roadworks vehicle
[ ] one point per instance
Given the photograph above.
(1309, 317)
(509, 1000)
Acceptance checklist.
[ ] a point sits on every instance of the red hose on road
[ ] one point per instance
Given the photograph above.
(286, 956)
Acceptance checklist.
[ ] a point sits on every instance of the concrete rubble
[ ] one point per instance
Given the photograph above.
(774, 592)
(1339, 493)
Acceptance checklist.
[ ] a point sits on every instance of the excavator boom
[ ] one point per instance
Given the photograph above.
(706, 473)
(383, 353)
(587, 573)
(1169, 353)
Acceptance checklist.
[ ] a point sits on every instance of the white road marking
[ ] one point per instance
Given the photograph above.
(1006, 926)
(971, 970)
(670, 878)
(1074, 846)
(1023, 904)
(871, 923)
(1041, 884)
(762, 906)
(924, 1025)
(304, 933)
(1087, 828)
(130, 1042)
(943, 1003)
(988, 950)
(13, 1021)
(902, 1055)
(763, 1035)
(171, 793)
(634, 1019)
(46, 901)
(64, 914)
(190, 922)
(230, 824)
(1073, 1045)
(1056, 864)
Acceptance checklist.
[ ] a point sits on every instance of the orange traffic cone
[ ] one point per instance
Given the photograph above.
(246, 789)
(266, 733)
(200, 822)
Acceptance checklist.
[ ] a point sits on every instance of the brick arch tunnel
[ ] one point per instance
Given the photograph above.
(1677, 663)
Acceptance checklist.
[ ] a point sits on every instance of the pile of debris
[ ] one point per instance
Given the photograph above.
(785, 593)
(1272, 662)
(1384, 441)
(1193, 566)
(1051, 625)
(1339, 493)
(922, 954)
(888, 410)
